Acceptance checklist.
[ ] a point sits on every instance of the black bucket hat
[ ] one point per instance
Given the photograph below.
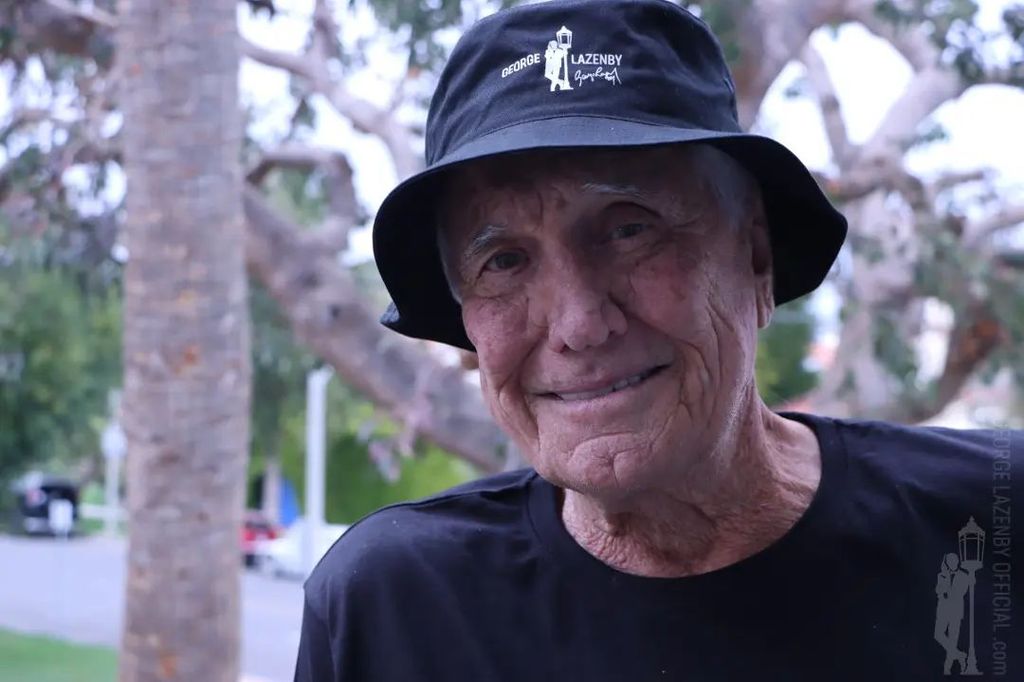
(587, 73)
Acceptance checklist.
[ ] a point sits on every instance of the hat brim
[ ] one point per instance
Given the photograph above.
(806, 230)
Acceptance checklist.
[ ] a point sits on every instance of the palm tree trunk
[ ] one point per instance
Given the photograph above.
(186, 339)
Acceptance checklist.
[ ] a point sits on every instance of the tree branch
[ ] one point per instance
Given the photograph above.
(65, 28)
(869, 176)
(345, 211)
(970, 343)
(948, 181)
(770, 34)
(24, 116)
(1006, 217)
(328, 316)
(913, 42)
(295, 157)
(93, 15)
(292, 63)
(931, 87)
(364, 115)
(828, 102)
(927, 91)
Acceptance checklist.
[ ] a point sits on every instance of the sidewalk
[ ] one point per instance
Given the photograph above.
(73, 590)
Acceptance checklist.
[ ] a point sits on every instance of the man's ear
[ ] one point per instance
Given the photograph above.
(762, 266)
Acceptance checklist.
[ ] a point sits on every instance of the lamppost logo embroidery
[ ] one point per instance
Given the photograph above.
(955, 582)
(566, 70)
(556, 60)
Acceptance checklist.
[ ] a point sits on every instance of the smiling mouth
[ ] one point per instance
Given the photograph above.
(623, 384)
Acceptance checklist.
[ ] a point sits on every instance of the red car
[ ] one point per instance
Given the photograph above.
(255, 528)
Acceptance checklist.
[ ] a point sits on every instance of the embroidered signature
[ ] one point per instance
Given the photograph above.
(597, 74)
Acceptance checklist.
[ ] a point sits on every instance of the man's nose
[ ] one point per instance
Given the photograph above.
(581, 312)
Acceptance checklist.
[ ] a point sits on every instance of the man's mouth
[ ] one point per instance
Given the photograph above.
(620, 385)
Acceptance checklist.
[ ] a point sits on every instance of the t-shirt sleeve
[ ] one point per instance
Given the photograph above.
(314, 663)
(355, 601)
(383, 602)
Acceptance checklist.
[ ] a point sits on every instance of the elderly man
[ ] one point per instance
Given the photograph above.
(609, 250)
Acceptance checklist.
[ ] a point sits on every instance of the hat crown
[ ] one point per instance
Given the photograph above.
(583, 74)
(646, 61)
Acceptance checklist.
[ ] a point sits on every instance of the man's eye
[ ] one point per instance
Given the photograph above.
(628, 230)
(506, 260)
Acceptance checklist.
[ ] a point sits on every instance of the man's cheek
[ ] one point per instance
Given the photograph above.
(500, 333)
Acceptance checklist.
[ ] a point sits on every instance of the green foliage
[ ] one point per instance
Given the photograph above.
(893, 351)
(941, 15)
(300, 193)
(723, 17)
(279, 371)
(941, 273)
(951, 26)
(355, 485)
(928, 133)
(1007, 306)
(279, 364)
(781, 351)
(355, 482)
(67, 344)
(420, 21)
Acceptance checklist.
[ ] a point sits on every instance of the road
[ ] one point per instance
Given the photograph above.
(73, 590)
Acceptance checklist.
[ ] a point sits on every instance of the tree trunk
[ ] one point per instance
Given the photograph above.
(186, 340)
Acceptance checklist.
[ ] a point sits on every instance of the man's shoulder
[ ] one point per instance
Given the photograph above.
(440, 530)
(894, 450)
(926, 470)
(902, 445)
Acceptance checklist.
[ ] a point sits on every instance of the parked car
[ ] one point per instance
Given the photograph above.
(282, 557)
(256, 528)
(45, 504)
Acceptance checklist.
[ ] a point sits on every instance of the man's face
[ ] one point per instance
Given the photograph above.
(581, 272)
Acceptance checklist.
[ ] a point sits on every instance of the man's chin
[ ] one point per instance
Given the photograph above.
(602, 476)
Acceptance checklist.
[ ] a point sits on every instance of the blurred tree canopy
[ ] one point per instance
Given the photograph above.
(916, 241)
(60, 351)
(366, 469)
(782, 371)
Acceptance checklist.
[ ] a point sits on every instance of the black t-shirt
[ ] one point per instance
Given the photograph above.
(483, 582)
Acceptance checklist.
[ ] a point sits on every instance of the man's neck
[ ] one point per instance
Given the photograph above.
(719, 517)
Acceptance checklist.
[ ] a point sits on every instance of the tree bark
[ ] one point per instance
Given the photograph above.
(186, 340)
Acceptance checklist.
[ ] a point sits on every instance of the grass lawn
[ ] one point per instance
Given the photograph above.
(25, 658)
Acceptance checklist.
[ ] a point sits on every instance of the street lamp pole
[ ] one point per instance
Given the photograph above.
(112, 443)
(316, 437)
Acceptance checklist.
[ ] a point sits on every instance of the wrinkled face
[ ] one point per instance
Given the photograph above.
(614, 299)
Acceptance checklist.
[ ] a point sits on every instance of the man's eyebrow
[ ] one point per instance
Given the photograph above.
(482, 240)
(621, 190)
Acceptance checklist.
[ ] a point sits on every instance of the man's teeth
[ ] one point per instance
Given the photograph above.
(617, 386)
